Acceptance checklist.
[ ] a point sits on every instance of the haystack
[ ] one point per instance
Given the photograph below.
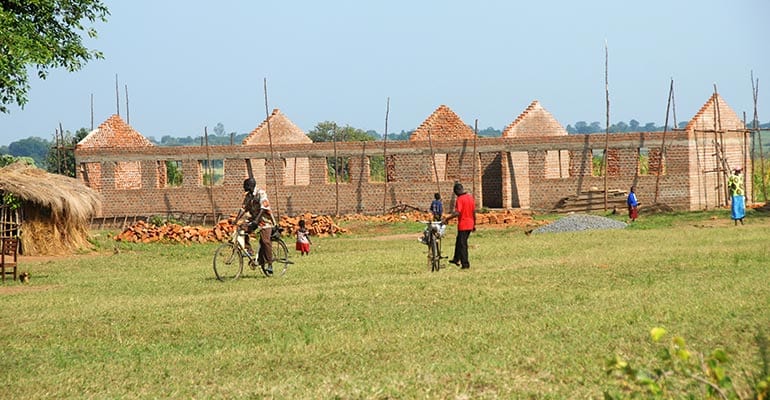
(55, 209)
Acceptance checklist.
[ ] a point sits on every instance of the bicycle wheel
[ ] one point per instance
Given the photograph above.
(434, 255)
(228, 263)
(280, 258)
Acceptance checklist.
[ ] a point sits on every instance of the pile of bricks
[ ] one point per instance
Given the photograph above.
(144, 232)
(503, 217)
(317, 225)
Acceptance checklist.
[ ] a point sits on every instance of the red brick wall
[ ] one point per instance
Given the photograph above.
(511, 172)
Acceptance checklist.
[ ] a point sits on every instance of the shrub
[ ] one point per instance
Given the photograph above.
(685, 373)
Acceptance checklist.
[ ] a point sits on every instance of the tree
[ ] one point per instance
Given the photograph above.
(33, 147)
(403, 135)
(219, 129)
(325, 132)
(6, 159)
(581, 127)
(42, 34)
(619, 127)
(61, 160)
(490, 132)
(328, 131)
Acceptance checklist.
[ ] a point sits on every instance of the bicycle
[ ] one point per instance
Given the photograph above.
(431, 237)
(229, 256)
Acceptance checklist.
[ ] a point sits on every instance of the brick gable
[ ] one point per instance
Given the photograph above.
(534, 121)
(441, 125)
(715, 114)
(114, 133)
(282, 130)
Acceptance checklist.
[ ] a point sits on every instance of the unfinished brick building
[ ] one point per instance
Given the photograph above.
(534, 165)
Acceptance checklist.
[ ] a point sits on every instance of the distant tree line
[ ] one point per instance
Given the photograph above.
(582, 127)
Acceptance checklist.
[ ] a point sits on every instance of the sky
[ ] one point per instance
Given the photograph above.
(189, 65)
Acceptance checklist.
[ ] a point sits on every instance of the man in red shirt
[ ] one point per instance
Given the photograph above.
(465, 212)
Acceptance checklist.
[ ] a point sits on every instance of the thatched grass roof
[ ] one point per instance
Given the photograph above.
(69, 200)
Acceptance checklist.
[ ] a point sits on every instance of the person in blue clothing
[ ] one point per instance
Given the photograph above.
(436, 207)
(633, 204)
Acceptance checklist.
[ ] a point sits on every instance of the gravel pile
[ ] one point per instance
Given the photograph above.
(580, 222)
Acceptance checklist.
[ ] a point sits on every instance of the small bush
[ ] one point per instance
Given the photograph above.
(685, 373)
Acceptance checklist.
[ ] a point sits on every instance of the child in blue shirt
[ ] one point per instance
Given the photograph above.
(436, 207)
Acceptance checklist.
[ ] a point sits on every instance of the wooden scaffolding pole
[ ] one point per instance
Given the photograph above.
(663, 144)
(721, 160)
(272, 156)
(475, 161)
(209, 168)
(336, 175)
(607, 130)
(433, 161)
(128, 110)
(117, 95)
(385, 158)
(755, 125)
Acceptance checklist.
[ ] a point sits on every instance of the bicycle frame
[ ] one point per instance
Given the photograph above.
(432, 235)
(236, 247)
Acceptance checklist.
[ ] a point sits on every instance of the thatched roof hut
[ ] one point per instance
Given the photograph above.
(55, 210)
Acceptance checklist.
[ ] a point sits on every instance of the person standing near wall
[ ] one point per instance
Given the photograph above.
(465, 212)
(436, 207)
(738, 203)
(633, 205)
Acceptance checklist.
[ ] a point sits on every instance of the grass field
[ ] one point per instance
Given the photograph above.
(363, 317)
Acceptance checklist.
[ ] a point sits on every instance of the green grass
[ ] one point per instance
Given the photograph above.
(363, 317)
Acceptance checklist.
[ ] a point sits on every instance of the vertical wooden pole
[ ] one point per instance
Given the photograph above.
(58, 149)
(128, 110)
(719, 137)
(433, 161)
(117, 95)
(755, 90)
(209, 169)
(336, 174)
(663, 144)
(272, 157)
(607, 130)
(385, 157)
(475, 162)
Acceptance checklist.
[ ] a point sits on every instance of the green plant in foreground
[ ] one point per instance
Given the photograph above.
(11, 201)
(684, 373)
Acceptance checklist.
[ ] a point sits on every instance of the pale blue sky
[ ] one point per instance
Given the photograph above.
(192, 64)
